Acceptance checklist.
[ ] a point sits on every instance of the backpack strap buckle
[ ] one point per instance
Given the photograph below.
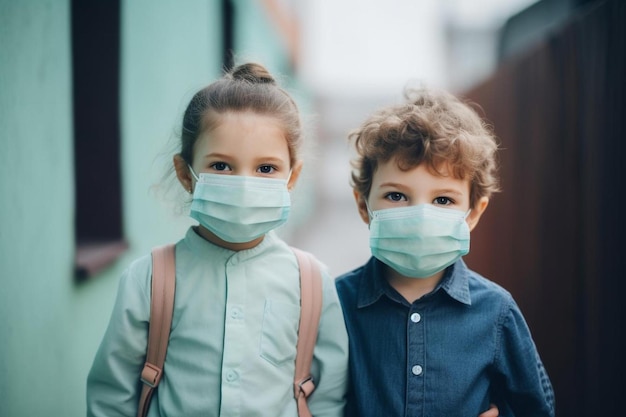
(151, 375)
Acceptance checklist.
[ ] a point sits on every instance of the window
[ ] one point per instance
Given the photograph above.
(98, 205)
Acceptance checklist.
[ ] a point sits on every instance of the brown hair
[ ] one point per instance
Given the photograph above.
(432, 127)
(247, 87)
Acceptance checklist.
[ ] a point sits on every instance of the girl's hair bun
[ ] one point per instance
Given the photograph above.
(252, 73)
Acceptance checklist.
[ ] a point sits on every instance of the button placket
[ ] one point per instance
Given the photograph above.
(235, 335)
(416, 318)
(416, 358)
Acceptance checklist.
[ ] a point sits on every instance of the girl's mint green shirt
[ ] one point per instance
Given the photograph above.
(233, 340)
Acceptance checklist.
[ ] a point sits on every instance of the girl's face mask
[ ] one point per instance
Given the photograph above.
(419, 241)
(239, 209)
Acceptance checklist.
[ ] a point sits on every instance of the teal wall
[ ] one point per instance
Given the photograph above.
(37, 295)
(50, 326)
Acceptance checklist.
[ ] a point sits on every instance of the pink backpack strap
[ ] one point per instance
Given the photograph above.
(310, 312)
(161, 311)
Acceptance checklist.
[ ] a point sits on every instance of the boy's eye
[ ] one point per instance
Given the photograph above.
(220, 166)
(394, 196)
(266, 169)
(444, 201)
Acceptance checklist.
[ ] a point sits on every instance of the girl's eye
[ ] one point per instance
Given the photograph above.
(395, 196)
(443, 201)
(266, 169)
(220, 166)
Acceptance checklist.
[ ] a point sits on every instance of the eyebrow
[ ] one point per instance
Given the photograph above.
(216, 155)
(392, 184)
(259, 160)
(437, 191)
(271, 159)
(449, 191)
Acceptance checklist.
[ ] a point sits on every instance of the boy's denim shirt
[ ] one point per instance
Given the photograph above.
(450, 353)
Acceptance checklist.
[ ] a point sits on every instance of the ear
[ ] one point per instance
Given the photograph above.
(361, 206)
(295, 174)
(183, 174)
(477, 211)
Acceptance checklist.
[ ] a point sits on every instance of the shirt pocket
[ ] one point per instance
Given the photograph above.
(279, 334)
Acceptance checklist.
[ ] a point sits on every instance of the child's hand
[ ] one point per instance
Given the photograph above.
(492, 412)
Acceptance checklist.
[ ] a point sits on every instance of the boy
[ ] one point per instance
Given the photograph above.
(428, 336)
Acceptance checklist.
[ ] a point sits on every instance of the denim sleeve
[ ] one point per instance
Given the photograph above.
(330, 360)
(525, 384)
(113, 385)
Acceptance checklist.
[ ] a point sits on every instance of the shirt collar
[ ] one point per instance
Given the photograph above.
(456, 282)
(373, 285)
(202, 246)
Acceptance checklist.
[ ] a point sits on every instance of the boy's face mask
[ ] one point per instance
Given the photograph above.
(419, 241)
(239, 209)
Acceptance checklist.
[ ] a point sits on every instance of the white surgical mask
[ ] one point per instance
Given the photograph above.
(419, 241)
(239, 209)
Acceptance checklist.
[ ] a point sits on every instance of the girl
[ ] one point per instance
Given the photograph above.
(237, 304)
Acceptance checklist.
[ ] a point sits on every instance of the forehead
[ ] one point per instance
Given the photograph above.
(420, 177)
(240, 131)
(245, 122)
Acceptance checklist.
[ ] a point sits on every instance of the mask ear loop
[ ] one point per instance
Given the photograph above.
(288, 179)
(467, 214)
(193, 173)
(370, 213)
(367, 206)
(195, 176)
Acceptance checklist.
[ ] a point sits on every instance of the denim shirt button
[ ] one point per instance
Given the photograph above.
(417, 370)
(415, 317)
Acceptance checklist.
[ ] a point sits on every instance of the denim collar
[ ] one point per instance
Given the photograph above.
(373, 286)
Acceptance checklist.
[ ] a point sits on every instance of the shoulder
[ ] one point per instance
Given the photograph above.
(134, 291)
(351, 278)
(489, 294)
(327, 280)
(482, 286)
(348, 284)
(138, 273)
(300, 259)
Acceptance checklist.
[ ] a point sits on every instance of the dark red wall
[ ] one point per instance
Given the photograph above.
(555, 235)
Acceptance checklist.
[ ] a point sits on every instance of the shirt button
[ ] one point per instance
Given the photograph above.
(417, 370)
(415, 317)
(236, 313)
(231, 376)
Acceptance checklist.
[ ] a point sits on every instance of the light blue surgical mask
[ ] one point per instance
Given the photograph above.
(239, 209)
(419, 241)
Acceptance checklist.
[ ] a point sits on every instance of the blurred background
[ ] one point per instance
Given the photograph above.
(91, 98)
